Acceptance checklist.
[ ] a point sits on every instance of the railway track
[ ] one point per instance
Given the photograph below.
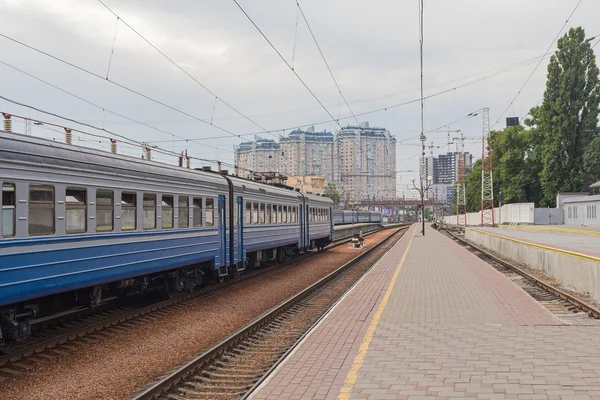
(80, 330)
(568, 308)
(236, 366)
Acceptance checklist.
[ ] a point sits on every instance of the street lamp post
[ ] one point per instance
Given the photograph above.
(422, 193)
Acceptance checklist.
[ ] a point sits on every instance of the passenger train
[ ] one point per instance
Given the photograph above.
(344, 217)
(82, 225)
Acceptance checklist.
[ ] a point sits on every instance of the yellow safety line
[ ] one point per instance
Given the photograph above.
(551, 228)
(368, 337)
(567, 252)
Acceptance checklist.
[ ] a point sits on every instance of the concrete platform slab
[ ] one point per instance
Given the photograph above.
(432, 320)
(580, 241)
(573, 260)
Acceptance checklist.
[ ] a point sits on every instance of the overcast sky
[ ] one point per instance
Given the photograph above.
(371, 46)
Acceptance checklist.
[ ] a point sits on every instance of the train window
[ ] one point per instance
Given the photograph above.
(76, 216)
(248, 214)
(274, 218)
(255, 213)
(128, 212)
(268, 216)
(41, 210)
(235, 213)
(279, 214)
(210, 212)
(296, 214)
(149, 211)
(104, 210)
(167, 212)
(183, 212)
(8, 210)
(197, 212)
(261, 214)
(284, 220)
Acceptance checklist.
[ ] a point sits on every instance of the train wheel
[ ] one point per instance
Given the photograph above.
(8, 346)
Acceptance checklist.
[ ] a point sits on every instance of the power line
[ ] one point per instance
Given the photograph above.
(561, 77)
(288, 64)
(507, 69)
(114, 134)
(326, 63)
(487, 74)
(100, 107)
(538, 64)
(117, 84)
(182, 69)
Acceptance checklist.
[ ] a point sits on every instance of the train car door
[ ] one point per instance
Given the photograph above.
(239, 234)
(307, 225)
(223, 235)
(301, 215)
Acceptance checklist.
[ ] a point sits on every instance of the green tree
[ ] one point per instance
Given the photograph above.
(473, 188)
(332, 192)
(516, 170)
(591, 159)
(568, 115)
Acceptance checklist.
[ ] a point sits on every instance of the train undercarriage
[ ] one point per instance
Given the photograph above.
(16, 320)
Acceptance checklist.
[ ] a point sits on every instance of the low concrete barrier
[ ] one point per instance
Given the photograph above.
(346, 231)
(576, 271)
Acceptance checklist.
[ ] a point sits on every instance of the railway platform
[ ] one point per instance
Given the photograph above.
(432, 320)
(564, 254)
(583, 240)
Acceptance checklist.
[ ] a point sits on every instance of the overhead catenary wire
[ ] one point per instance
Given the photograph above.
(100, 107)
(561, 76)
(326, 63)
(471, 82)
(182, 69)
(537, 65)
(122, 86)
(113, 134)
(287, 63)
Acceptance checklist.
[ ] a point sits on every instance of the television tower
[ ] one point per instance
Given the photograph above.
(487, 184)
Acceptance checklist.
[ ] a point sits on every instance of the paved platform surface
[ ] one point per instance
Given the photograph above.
(576, 229)
(566, 240)
(430, 321)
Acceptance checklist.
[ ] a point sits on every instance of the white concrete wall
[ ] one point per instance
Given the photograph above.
(588, 210)
(548, 216)
(577, 273)
(520, 213)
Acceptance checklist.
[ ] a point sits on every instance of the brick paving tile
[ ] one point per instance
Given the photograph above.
(453, 327)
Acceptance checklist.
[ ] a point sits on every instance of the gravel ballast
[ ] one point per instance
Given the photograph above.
(117, 363)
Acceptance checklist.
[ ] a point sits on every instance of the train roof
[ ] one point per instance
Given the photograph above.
(20, 149)
(16, 148)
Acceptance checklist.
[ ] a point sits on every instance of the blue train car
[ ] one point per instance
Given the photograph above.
(343, 217)
(80, 225)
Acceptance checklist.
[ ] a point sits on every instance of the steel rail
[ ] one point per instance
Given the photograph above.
(591, 310)
(173, 378)
(129, 315)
